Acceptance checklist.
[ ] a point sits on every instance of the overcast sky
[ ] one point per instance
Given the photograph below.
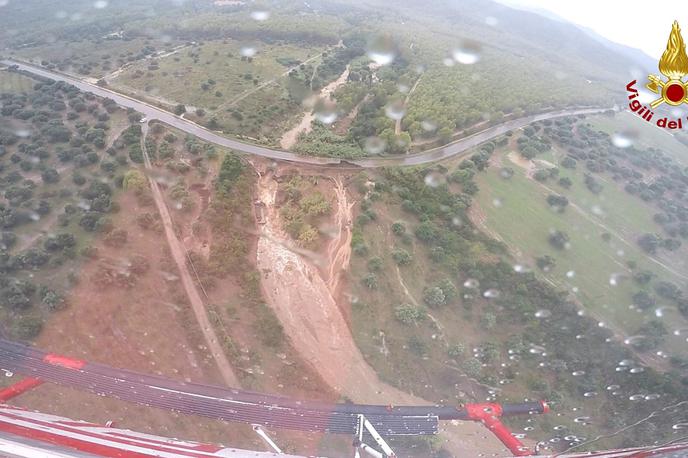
(642, 25)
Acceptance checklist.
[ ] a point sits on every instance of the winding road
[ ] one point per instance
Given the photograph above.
(425, 157)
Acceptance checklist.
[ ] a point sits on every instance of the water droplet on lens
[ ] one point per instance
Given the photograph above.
(491, 294)
(471, 283)
(395, 110)
(543, 313)
(260, 15)
(468, 53)
(374, 145)
(624, 139)
(570, 274)
(435, 179)
(382, 50)
(248, 51)
(428, 125)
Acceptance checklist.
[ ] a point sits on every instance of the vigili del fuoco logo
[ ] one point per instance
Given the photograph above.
(672, 91)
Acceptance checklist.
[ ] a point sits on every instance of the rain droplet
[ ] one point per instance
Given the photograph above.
(543, 313)
(395, 110)
(634, 340)
(577, 373)
(374, 145)
(382, 50)
(326, 113)
(260, 15)
(626, 362)
(570, 274)
(448, 61)
(636, 397)
(435, 179)
(637, 370)
(680, 426)
(624, 139)
(22, 133)
(497, 202)
(590, 394)
(468, 53)
(248, 51)
(471, 283)
(491, 293)
(428, 126)
(652, 397)
(613, 387)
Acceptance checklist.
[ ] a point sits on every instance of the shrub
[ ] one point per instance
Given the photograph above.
(409, 314)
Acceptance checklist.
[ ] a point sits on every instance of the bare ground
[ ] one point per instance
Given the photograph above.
(305, 304)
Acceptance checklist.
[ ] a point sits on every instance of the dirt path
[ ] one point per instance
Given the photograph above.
(304, 126)
(307, 310)
(180, 256)
(339, 248)
(241, 97)
(397, 124)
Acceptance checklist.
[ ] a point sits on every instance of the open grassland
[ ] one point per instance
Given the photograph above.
(95, 59)
(593, 270)
(14, 82)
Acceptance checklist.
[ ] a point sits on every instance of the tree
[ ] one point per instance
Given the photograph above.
(529, 152)
(375, 264)
(409, 314)
(541, 175)
(434, 296)
(370, 281)
(643, 277)
(545, 263)
(568, 163)
(398, 228)
(401, 257)
(472, 367)
(179, 109)
(667, 290)
(557, 202)
(559, 239)
(643, 300)
(565, 182)
(449, 289)
(50, 176)
(649, 242)
(315, 204)
(426, 231)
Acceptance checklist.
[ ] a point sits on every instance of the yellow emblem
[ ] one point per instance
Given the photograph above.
(673, 65)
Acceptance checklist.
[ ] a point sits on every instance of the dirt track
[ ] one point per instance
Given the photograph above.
(179, 255)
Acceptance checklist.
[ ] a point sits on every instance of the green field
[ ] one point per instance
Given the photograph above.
(522, 218)
(14, 82)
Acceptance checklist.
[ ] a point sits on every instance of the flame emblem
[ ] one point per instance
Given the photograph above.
(673, 65)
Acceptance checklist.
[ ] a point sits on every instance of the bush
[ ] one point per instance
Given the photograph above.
(370, 281)
(401, 257)
(398, 228)
(559, 240)
(434, 297)
(375, 264)
(409, 314)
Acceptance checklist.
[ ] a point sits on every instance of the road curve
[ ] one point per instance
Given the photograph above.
(230, 404)
(425, 157)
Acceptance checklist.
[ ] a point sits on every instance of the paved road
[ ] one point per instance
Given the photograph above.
(230, 404)
(429, 156)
